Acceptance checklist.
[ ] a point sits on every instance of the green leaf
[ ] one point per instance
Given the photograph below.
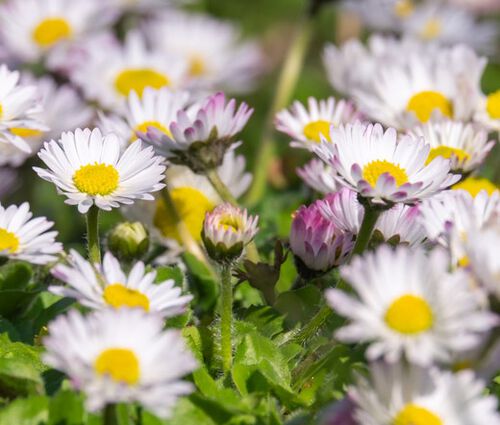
(15, 276)
(267, 320)
(169, 272)
(27, 411)
(186, 413)
(202, 284)
(66, 408)
(299, 305)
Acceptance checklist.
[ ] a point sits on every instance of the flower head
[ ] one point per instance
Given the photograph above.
(201, 136)
(318, 176)
(107, 286)
(121, 355)
(89, 169)
(128, 240)
(381, 168)
(25, 238)
(409, 305)
(227, 230)
(307, 125)
(317, 243)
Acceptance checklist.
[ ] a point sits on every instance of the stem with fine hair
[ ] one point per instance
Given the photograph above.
(286, 84)
(226, 318)
(110, 415)
(225, 194)
(94, 249)
(365, 232)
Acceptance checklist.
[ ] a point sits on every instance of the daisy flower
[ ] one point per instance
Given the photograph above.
(482, 253)
(155, 108)
(193, 196)
(216, 55)
(449, 217)
(402, 395)
(488, 111)
(25, 238)
(382, 168)
(108, 286)
(307, 125)
(318, 176)
(318, 244)
(474, 185)
(109, 75)
(123, 355)
(20, 109)
(464, 145)
(227, 230)
(32, 29)
(442, 84)
(89, 169)
(200, 137)
(435, 21)
(408, 305)
(399, 224)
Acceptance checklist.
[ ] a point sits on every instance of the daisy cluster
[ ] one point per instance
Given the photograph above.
(369, 296)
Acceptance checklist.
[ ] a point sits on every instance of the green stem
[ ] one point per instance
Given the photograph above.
(185, 236)
(367, 227)
(223, 191)
(287, 81)
(94, 248)
(110, 415)
(226, 318)
(313, 325)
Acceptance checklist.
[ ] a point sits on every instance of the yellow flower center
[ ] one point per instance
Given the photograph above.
(447, 152)
(314, 130)
(493, 105)
(230, 223)
(373, 170)
(474, 185)
(138, 79)
(423, 104)
(50, 31)
(404, 8)
(8, 241)
(118, 295)
(410, 315)
(143, 128)
(25, 132)
(191, 205)
(197, 66)
(96, 179)
(432, 29)
(413, 414)
(120, 364)
(463, 262)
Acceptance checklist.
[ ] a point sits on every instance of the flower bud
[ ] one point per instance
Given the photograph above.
(128, 241)
(226, 231)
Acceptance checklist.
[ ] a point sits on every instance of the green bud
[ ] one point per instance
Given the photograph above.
(128, 241)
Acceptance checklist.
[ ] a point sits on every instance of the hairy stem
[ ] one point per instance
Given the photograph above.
(365, 233)
(226, 318)
(94, 249)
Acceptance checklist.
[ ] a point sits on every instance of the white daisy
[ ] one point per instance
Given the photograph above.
(463, 144)
(318, 176)
(217, 57)
(409, 306)
(25, 238)
(416, 88)
(120, 355)
(109, 75)
(156, 108)
(482, 253)
(488, 111)
(88, 169)
(382, 168)
(399, 224)
(107, 286)
(435, 21)
(449, 217)
(193, 196)
(31, 29)
(307, 125)
(20, 109)
(402, 395)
